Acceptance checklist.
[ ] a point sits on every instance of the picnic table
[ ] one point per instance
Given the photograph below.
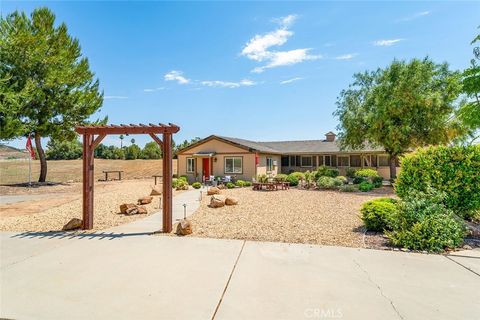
(155, 176)
(271, 186)
(119, 172)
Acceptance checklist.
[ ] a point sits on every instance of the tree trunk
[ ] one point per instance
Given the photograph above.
(393, 167)
(41, 156)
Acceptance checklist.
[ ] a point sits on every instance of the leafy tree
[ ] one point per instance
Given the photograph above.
(469, 113)
(118, 153)
(46, 84)
(132, 152)
(151, 151)
(184, 144)
(64, 149)
(401, 107)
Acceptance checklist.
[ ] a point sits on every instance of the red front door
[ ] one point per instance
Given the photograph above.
(206, 168)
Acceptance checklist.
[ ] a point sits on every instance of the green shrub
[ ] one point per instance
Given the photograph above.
(262, 178)
(366, 173)
(240, 183)
(325, 182)
(365, 186)
(184, 178)
(180, 184)
(348, 188)
(377, 182)
(453, 170)
(295, 177)
(343, 179)
(248, 183)
(378, 214)
(358, 180)
(174, 183)
(230, 185)
(350, 173)
(324, 171)
(423, 222)
(196, 185)
(281, 177)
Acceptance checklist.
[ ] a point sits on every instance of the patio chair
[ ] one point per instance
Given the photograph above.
(227, 179)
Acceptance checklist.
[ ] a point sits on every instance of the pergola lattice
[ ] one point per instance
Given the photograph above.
(93, 135)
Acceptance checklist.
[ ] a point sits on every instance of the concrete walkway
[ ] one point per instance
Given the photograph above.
(124, 273)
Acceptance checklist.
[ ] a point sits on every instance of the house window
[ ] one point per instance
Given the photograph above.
(383, 161)
(190, 165)
(292, 161)
(233, 165)
(343, 161)
(327, 160)
(285, 161)
(320, 160)
(355, 161)
(269, 164)
(306, 161)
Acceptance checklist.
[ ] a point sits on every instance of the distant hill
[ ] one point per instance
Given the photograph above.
(8, 152)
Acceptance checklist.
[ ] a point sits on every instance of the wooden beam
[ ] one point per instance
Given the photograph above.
(167, 155)
(97, 140)
(87, 211)
(156, 139)
(124, 129)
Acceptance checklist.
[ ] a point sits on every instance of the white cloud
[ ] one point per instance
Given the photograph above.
(258, 48)
(415, 16)
(290, 80)
(153, 90)
(114, 97)
(347, 56)
(228, 84)
(176, 76)
(386, 43)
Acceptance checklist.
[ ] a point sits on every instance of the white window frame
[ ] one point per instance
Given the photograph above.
(192, 160)
(233, 165)
(301, 161)
(269, 163)
(339, 162)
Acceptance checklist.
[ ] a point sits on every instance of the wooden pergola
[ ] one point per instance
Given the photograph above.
(93, 135)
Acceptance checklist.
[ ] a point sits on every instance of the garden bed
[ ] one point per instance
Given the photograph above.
(295, 216)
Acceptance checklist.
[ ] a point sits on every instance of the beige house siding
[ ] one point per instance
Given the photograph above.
(262, 166)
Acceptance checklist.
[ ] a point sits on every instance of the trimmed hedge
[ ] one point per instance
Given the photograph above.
(324, 171)
(366, 173)
(240, 183)
(230, 185)
(365, 186)
(196, 185)
(378, 214)
(452, 170)
(294, 177)
(329, 183)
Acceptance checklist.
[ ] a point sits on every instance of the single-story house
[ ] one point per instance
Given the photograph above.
(245, 159)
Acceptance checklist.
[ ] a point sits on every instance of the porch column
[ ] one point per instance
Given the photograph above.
(167, 182)
(87, 212)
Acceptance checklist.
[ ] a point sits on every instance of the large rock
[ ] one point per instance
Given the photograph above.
(73, 224)
(156, 191)
(213, 190)
(184, 227)
(127, 207)
(231, 201)
(145, 200)
(141, 210)
(217, 201)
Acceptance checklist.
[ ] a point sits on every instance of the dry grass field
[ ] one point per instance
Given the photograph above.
(16, 171)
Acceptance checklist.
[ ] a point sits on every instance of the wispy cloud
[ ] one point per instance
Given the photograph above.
(290, 80)
(154, 89)
(347, 56)
(228, 84)
(415, 16)
(114, 97)
(386, 43)
(176, 76)
(258, 47)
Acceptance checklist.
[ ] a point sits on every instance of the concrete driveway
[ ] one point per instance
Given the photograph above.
(140, 276)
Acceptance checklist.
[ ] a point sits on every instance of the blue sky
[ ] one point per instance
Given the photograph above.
(255, 70)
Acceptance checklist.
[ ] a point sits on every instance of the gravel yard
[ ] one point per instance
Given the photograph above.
(296, 216)
(54, 212)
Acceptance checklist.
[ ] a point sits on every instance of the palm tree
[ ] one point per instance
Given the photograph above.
(132, 141)
(121, 140)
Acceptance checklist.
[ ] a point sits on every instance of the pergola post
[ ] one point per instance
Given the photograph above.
(167, 155)
(88, 181)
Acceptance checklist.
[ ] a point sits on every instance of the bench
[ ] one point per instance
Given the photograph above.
(155, 176)
(271, 186)
(119, 172)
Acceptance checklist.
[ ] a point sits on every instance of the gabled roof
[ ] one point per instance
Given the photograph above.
(281, 147)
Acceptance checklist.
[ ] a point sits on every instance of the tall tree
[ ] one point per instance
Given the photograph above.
(469, 113)
(404, 106)
(46, 84)
(121, 140)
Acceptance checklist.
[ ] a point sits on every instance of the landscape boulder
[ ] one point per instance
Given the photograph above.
(141, 210)
(184, 227)
(156, 191)
(231, 201)
(213, 190)
(145, 200)
(217, 201)
(127, 207)
(73, 224)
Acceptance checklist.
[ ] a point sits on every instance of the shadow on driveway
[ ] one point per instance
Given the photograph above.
(77, 235)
